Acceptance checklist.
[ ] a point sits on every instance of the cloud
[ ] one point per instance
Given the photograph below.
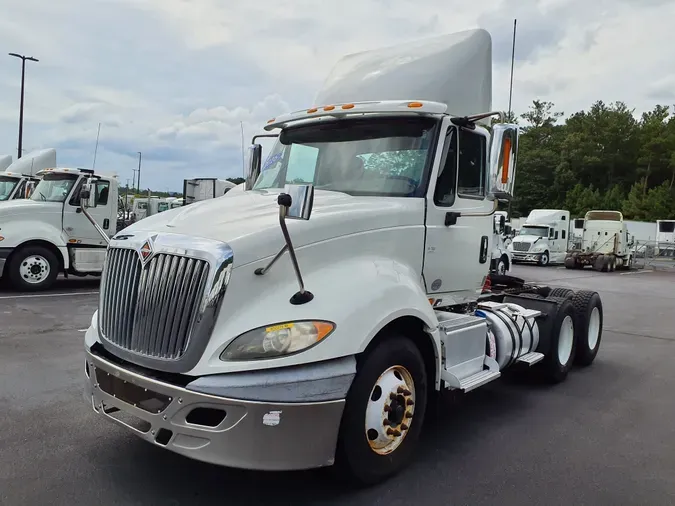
(178, 79)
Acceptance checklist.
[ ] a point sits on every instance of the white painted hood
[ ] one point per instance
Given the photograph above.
(249, 221)
(27, 207)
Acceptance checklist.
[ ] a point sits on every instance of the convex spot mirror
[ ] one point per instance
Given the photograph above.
(502, 162)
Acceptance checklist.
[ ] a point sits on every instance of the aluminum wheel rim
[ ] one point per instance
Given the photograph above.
(544, 259)
(594, 328)
(565, 340)
(501, 267)
(390, 410)
(34, 269)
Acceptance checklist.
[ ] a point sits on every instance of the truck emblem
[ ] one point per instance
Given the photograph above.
(145, 252)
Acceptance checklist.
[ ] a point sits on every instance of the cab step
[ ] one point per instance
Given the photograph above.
(531, 358)
(471, 382)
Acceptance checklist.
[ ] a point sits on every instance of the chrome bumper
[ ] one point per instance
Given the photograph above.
(252, 434)
(526, 257)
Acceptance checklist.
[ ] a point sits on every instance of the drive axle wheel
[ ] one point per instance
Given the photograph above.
(563, 342)
(589, 317)
(384, 412)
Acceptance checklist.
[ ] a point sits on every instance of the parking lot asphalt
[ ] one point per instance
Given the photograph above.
(602, 437)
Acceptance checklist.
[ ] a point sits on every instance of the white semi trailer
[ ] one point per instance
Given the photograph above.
(204, 188)
(311, 318)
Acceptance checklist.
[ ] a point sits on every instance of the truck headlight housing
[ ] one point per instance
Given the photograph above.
(539, 248)
(277, 340)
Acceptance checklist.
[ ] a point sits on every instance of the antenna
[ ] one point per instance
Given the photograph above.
(243, 160)
(513, 59)
(96, 148)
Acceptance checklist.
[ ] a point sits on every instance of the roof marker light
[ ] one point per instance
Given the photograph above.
(414, 105)
(348, 106)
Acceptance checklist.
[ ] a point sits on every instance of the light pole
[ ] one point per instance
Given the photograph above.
(23, 79)
(139, 170)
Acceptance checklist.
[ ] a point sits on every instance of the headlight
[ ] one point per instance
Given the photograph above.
(538, 248)
(277, 340)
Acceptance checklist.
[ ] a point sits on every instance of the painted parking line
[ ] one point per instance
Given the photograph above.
(40, 295)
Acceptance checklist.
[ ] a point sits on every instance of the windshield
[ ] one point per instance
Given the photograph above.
(534, 230)
(386, 157)
(666, 227)
(54, 188)
(7, 185)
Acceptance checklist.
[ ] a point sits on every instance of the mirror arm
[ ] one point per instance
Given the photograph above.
(96, 226)
(261, 271)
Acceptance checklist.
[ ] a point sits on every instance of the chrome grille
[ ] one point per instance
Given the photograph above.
(521, 246)
(151, 310)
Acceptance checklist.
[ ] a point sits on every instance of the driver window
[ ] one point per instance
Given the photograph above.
(471, 180)
(21, 190)
(102, 189)
(444, 193)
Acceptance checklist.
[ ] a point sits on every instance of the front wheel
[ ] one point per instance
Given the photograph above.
(501, 267)
(384, 413)
(33, 268)
(544, 259)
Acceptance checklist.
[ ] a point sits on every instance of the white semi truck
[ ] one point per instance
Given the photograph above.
(20, 177)
(543, 238)
(606, 244)
(48, 233)
(311, 318)
(665, 238)
(501, 259)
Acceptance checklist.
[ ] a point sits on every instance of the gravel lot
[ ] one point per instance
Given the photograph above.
(602, 437)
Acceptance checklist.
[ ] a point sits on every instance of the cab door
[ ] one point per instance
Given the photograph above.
(458, 245)
(76, 225)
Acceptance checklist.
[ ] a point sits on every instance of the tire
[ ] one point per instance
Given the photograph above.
(612, 264)
(562, 343)
(599, 263)
(33, 268)
(564, 293)
(570, 263)
(501, 267)
(544, 259)
(358, 459)
(589, 320)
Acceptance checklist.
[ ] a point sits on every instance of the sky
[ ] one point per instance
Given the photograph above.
(177, 79)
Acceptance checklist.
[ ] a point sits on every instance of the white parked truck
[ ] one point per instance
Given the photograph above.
(203, 188)
(49, 233)
(20, 177)
(542, 238)
(606, 244)
(665, 238)
(501, 259)
(311, 318)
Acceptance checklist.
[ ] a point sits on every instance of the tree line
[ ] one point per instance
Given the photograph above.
(603, 158)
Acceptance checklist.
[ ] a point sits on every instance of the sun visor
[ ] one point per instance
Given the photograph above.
(454, 69)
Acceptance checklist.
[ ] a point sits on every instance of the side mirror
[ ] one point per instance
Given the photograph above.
(88, 194)
(301, 201)
(502, 162)
(253, 167)
(29, 189)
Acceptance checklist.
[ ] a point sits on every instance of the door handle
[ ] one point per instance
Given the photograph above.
(483, 249)
(106, 224)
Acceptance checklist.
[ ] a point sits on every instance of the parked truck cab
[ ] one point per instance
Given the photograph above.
(542, 238)
(606, 244)
(48, 233)
(20, 177)
(309, 318)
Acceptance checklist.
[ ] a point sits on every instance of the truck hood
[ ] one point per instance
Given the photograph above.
(527, 238)
(249, 221)
(25, 207)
